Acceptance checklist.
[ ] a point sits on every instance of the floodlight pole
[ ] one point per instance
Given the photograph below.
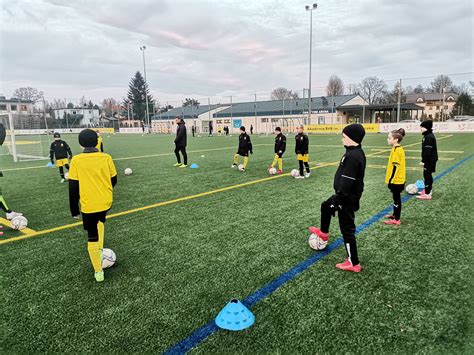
(146, 94)
(399, 99)
(310, 9)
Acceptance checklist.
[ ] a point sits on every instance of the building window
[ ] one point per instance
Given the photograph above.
(445, 107)
(3, 107)
(73, 112)
(12, 107)
(23, 108)
(264, 120)
(437, 107)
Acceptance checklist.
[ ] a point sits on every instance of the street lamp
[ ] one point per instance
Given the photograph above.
(310, 9)
(146, 95)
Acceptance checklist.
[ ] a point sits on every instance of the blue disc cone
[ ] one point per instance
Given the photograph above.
(420, 184)
(194, 166)
(235, 316)
(50, 164)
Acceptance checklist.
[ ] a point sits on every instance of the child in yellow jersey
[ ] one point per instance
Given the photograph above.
(100, 142)
(395, 176)
(92, 177)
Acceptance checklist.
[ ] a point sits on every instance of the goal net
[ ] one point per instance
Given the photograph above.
(26, 137)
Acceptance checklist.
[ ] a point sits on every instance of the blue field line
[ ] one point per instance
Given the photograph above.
(205, 331)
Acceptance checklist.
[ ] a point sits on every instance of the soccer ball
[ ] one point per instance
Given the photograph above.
(272, 171)
(66, 176)
(294, 173)
(316, 242)
(128, 171)
(411, 189)
(108, 258)
(19, 222)
(241, 167)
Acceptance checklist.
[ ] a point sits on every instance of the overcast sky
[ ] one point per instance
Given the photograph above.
(70, 48)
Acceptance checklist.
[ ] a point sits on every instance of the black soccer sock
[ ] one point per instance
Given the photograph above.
(397, 205)
(61, 172)
(306, 164)
(428, 181)
(300, 162)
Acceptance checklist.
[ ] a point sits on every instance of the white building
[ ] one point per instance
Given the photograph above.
(82, 116)
(15, 106)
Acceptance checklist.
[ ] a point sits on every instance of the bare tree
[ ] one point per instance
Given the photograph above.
(372, 89)
(441, 82)
(28, 93)
(109, 104)
(335, 86)
(352, 89)
(419, 89)
(283, 94)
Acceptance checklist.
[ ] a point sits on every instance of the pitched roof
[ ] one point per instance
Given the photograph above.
(432, 96)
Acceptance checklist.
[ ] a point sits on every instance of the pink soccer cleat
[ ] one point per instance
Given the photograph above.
(393, 222)
(422, 192)
(424, 197)
(280, 171)
(317, 231)
(347, 266)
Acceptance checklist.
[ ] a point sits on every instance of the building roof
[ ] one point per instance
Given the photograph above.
(260, 108)
(13, 100)
(403, 106)
(284, 107)
(432, 96)
(76, 108)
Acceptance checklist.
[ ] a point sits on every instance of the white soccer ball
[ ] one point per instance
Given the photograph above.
(19, 222)
(272, 171)
(294, 173)
(128, 172)
(316, 242)
(108, 258)
(66, 176)
(241, 167)
(411, 189)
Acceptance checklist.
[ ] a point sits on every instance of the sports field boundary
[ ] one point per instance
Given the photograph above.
(180, 199)
(202, 333)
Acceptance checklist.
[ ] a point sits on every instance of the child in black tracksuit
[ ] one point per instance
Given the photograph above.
(60, 151)
(245, 147)
(348, 185)
(429, 157)
(301, 150)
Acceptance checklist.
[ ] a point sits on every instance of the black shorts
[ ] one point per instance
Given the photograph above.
(243, 153)
(396, 188)
(90, 220)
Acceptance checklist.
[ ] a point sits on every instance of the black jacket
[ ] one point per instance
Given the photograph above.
(429, 150)
(280, 143)
(349, 178)
(3, 133)
(245, 145)
(59, 150)
(181, 138)
(302, 143)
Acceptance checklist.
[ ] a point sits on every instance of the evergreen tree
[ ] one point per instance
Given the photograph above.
(136, 96)
(463, 106)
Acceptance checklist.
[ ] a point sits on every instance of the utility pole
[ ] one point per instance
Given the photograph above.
(399, 99)
(310, 9)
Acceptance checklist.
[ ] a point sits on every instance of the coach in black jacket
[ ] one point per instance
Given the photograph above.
(348, 187)
(429, 157)
(180, 143)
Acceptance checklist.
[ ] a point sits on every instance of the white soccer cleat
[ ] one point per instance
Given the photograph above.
(13, 214)
(299, 177)
(307, 175)
(233, 166)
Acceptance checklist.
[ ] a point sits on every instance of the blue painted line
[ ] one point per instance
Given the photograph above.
(210, 328)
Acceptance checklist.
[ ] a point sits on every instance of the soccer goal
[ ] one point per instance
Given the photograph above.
(26, 137)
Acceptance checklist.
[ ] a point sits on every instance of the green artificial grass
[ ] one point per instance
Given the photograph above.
(179, 264)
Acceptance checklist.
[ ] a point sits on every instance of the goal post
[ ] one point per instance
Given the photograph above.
(26, 138)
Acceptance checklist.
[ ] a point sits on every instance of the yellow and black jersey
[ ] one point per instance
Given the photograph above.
(100, 144)
(245, 145)
(59, 150)
(95, 174)
(280, 143)
(302, 144)
(396, 168)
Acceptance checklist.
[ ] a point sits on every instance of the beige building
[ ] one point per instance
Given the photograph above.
(16, 106)
(434, 104)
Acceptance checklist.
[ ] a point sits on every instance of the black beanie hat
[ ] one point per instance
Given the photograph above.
(56, 135)
(427, 124)
(88, 138)
(355, 131)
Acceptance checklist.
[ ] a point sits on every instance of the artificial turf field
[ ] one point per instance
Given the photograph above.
(198, 244)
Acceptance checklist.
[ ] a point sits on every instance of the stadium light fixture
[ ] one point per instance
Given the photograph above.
(142, 48)
(310, 9)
